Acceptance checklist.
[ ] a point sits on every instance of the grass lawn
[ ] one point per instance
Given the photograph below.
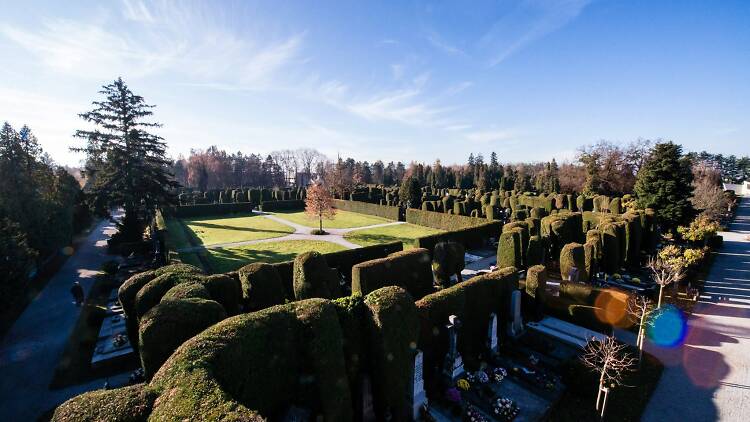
(342, 220)
(406, 233)
(210, 231)
(229, 259)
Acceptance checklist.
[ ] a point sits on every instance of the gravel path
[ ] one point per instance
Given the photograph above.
(30, 351)
(300, 233)
(707, 378)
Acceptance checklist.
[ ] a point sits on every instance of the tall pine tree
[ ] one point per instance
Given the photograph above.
(126, 162)
(664, 183)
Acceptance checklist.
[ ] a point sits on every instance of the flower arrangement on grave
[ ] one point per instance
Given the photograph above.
(453, 395)
(473, 415)
(463, 384)
(533, 360)
(499, 374)
(505, 408)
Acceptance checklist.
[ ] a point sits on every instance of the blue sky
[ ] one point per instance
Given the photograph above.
(391, 80)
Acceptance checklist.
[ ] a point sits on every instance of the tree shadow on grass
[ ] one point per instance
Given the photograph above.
(240, 229)
(376, 239)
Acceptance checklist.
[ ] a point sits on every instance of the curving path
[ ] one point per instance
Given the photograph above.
(29, 353)
(300, 233)
(707, 378)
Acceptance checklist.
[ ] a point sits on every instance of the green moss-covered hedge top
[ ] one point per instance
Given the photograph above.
(187, 290)
(126, 404)
(536, 280)
(166, 326)
(442, 221)
(410, 269)
(262, 361)
(314, 278)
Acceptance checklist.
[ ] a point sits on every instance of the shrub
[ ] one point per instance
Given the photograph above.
(534, 226)
(614, 206)
(572, 255)
(409, 269)
(536, 281)
(448, 259)
(169, 324)
(126, 295)
(610, 248)
(313, 278)
(633, 238)
(509, 250)
(351, 314)
(392, 329)
(442, 221)
(522, 228)
(261, 286)
(226, 290)
(590, 259)
(177, 269)
(346, 259)
(127, 404)
(699, 231)
(470, 237)
(535, 251)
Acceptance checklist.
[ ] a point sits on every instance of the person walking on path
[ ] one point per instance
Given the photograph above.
(77, 292)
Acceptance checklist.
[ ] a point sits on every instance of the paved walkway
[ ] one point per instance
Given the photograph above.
(708, 377)
(300, 233)
(30, 351)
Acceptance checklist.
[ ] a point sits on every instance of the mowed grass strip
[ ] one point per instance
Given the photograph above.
(406, 233)
(342, 220)
(229, 259)
(212, 231)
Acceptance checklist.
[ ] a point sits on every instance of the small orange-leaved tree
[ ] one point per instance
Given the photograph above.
(319, 203)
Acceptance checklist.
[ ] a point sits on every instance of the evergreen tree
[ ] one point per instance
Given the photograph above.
(410, 192)
(591, 163)
(129, 165)
(664, 183)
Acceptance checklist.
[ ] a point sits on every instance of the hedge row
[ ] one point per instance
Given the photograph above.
(442, 221)
(204, 210)
(242, 369)
(285, 205)
(385, 211)
(471, 237)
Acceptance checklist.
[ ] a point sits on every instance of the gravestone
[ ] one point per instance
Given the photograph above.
(516, 323)
(368, 408)
(453, 366)
(492, 343)
(418, 397)
(573, 275)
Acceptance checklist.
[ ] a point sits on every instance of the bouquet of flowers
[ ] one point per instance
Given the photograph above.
(505, 408)
(481, 377)
(463, 384)
(499, 373)
(473, 415)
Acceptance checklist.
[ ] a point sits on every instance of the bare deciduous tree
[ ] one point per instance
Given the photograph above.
(608, 359)
(665, 273)
(641, 311)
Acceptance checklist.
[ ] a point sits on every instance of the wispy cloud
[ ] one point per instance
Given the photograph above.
(438, 42)
(526, 23)
(158, 39)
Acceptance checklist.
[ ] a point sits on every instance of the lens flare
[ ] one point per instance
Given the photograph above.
(610, 308)
(669, 328)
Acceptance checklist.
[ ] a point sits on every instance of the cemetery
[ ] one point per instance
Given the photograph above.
(482, 319)
(374, 212)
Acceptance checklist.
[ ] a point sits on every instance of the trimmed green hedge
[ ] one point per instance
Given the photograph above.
(244, 367)
(313, 278)
(186, 291)
(205, 210)
(610, 248)
(448, 259)
(284, 205)
(536, 281)
(261, 286)
(169, 324)
(126, 295)
(573, 255)
(385, 211)
(442, 221)
(226, 290)
(392, 330)
(509, 250)
(535, 251)
(126, 404)
(409, 269)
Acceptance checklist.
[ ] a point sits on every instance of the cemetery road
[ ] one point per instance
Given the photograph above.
(707, 377)
(30, 351)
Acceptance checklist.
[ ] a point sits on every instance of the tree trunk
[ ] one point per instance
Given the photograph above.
(661, 292)
(604, 404)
